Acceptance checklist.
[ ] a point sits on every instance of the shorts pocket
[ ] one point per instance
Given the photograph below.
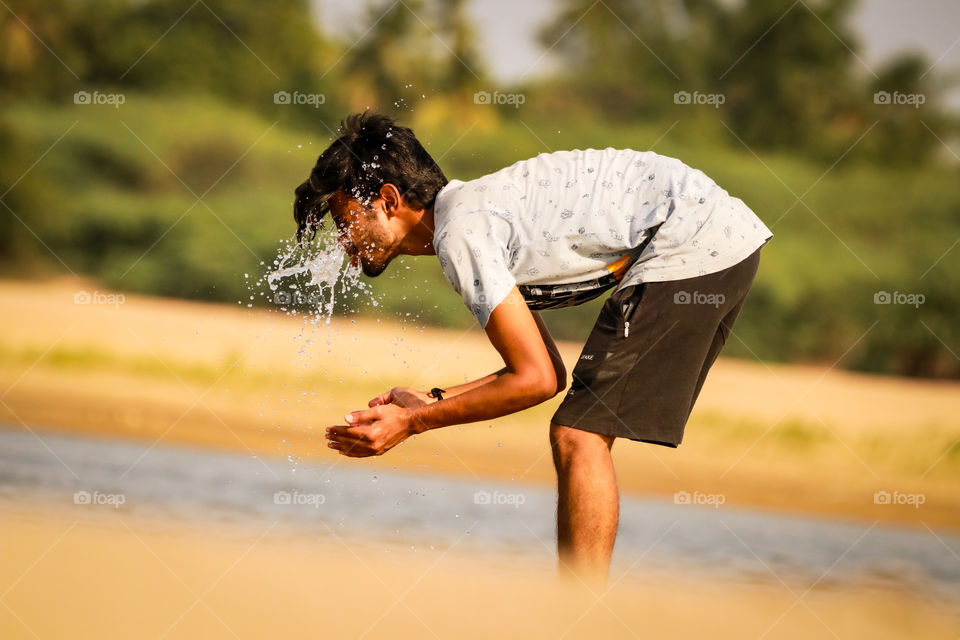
(628, 303)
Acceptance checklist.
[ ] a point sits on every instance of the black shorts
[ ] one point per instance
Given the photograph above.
(644, 363)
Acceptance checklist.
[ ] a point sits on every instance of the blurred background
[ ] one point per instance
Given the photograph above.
(170, 128)
(152, 393)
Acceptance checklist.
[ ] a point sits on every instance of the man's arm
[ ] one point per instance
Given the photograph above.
(552, 349)
(531, 376)
(407, 396)
(558, 367)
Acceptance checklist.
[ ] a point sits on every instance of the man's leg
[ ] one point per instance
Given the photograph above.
(588, 506)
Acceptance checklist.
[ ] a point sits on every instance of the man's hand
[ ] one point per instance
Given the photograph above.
(403, 397)
(372, 432)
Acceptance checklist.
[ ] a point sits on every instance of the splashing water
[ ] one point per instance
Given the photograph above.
(304, 280)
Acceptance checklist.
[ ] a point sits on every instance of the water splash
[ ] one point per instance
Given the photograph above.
(314, 280)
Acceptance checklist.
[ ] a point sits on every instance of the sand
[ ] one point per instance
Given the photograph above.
(102, 574)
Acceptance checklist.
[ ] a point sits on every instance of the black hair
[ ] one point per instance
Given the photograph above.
(371, 151)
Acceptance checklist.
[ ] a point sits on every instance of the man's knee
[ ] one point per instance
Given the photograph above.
(569, 444)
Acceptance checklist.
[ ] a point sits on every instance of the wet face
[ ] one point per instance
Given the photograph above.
(364, 233)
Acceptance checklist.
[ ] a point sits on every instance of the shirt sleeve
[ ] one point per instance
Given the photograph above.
(473, 249)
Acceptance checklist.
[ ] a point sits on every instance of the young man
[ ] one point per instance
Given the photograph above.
(678, 252)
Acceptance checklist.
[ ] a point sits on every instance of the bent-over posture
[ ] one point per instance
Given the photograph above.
(677, 252)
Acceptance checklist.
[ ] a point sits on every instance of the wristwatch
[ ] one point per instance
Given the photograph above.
(437, 393)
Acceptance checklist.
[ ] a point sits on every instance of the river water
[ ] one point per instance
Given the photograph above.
(408, 510)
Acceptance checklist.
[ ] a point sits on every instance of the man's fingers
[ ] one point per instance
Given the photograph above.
(354, 449)
(343, 431)
(357, 417)
(347, 440)
(344, 443)
(357, 453)
(383, 398)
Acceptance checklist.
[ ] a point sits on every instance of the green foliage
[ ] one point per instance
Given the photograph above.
(619, 53)
(786, 75)
(188, 185)
(126, 192)
(798, 69)
(239, 51)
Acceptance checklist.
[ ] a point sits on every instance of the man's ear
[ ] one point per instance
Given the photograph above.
(392, 200)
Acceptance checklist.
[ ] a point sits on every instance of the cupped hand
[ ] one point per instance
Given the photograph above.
(372, 432)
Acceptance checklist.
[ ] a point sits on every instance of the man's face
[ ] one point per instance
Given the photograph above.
(364, 233)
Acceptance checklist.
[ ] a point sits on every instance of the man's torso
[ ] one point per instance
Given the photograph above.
(571, 224)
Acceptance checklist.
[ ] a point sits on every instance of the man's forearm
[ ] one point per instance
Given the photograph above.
(473, 384)
(505, 394)
(554, 357)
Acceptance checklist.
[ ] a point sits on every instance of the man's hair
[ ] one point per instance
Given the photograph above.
(371, 151)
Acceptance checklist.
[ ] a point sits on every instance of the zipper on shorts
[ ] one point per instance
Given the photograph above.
(627, 308)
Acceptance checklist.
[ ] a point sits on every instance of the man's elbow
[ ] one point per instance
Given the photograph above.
(545, 387)
(544, 393)
(560, 381)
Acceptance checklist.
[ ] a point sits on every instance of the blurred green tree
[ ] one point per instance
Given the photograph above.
(785, 70)
(788, 72)
(621, 56)
(465, 68)
(239, 51)
(412, 49)
(905, 106)
(389, 60)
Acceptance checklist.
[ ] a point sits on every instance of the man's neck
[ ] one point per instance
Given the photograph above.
(419, 240)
